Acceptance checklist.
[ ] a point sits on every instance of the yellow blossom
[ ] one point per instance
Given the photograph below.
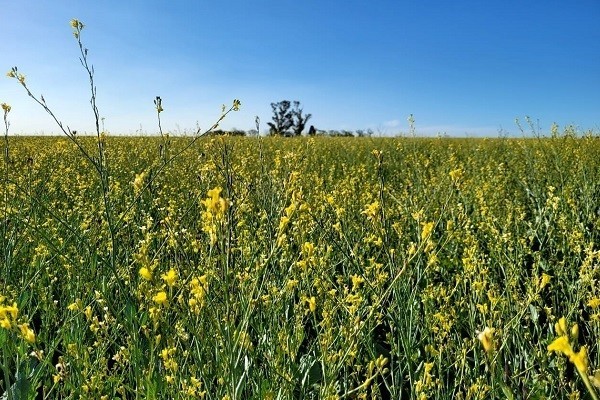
(486, 337)
(594, 303)
(456, 174)
(145, 273)
(27, 333)
(561, 326)
(427, 229)
(160, 298)
(170, 277)
(580, 360)
(356, 281)
(544, 280)
(11, 311)
(138, 182)
(561, 345)
(76, 24)
(312, 304)
(372, 210)
(308, 249)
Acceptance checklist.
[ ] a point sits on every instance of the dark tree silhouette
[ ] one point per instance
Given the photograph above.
(299, 119)
(287, 121)
(283, 119)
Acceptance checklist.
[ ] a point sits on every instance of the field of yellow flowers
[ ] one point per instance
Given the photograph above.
(326, 268)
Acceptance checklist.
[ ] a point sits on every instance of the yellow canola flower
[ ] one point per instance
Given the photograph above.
(427, 229)
(145, 273)
(308, 249)
(486, 337)
(5, 107)
(561, 345)
(595, 379)
(214, 203)
(75, 306)
(561, 326)
(356, 281)
(594, 303)
(160, 298)
(11, 311)
(312, 304)
(27, 333)
(580, 360)
(544, 280)
(76, 24)
(5, 323)
(456, 174)
(138, 182)
(372, 210)
(170, 277)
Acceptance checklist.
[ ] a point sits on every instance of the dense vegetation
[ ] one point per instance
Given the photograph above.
(300, 268)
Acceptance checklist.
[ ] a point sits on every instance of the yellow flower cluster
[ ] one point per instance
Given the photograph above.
(8, 314)
(486, 337)
(169, 362)
(198, 290)
(8, 320)
(213, 216)
(563, 345)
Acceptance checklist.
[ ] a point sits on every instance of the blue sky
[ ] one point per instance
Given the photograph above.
(460, 67)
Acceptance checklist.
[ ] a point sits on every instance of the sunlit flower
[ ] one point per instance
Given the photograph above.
(145, 273)
(170, 277)
(27, 333)
(561, 345)
(580, 360)
(561, 326)
(312, 304)
(138, 182)
(427, 229)
(594, 303)
(486, 337)
(372, 210)
(544, 280)
(160, 298)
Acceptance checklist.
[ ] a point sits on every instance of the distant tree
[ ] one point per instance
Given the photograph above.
(312, 131)
(298, 119)
(283, 119)
(237, 132)
(233, 132)
(287, 120)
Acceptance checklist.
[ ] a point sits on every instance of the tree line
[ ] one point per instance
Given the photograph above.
(289, 120)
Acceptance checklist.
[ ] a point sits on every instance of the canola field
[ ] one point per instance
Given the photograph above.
(323, 268)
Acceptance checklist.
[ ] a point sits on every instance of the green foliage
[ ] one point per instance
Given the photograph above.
(314, 260)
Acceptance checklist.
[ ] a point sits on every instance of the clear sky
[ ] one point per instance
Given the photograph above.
(460, 67)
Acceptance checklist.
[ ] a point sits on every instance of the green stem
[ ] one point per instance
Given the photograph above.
(588, 385)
